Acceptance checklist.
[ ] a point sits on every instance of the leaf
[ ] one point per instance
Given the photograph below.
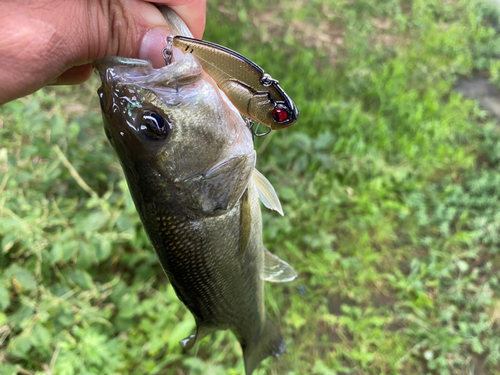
(288, 194)
(25, 279)
(320, 368)
(81, 278)
(56, 253)
(7, 243)
(86, 256)
(103, 250)
(127, 305)
(476, 345)
(8, 224)
(69, 250)
(3, 318)
(242, 15)
(296, 320)
(123, 223)
(7, 369)
(20, 346)
(40, 335)
(65, 318)
(90, 223)
(4, 298)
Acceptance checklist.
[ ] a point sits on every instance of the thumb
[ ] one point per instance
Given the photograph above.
(132, 28)
(56, 41)
(127, 28)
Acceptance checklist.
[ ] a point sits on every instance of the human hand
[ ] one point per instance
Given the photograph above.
(47, 42)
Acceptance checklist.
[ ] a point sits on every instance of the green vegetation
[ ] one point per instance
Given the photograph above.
(390, 183)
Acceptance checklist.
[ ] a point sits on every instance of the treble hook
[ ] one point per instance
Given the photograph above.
(250, 125)
(166, 52)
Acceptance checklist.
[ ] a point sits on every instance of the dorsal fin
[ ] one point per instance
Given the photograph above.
(267, 194)
(276, 270)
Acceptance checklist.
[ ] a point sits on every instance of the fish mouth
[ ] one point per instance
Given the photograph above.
(101, 66)
(185, 70)
(129, 84)
(132, 87)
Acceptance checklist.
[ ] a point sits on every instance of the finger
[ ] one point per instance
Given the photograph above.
(192, 12)
(74, 75)
(54, 40)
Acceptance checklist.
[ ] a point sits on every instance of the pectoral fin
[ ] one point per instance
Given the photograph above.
(267, 194)
(220, 188)
(276, 270)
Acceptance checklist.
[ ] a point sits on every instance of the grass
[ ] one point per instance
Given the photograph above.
(390, 184)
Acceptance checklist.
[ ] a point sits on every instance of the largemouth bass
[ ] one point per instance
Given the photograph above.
(189, 162)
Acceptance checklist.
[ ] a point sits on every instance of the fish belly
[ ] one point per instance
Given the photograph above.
(221, 287)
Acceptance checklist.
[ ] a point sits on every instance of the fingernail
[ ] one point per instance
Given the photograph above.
(152, 45)
(152, 15)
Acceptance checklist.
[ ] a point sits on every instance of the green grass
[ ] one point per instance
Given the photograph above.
(390, 183)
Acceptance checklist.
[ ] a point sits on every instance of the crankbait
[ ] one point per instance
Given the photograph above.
(254, 93)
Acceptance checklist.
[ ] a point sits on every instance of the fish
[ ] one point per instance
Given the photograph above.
(254, 93)
(189, 161)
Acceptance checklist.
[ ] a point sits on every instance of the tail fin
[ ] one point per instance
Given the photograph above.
(270, 343)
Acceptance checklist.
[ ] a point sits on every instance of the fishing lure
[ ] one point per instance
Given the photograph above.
(254, 93)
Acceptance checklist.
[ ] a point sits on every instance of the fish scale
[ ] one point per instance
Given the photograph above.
(190, 257)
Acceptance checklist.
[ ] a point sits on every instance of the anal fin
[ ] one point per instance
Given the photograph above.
(276, 270)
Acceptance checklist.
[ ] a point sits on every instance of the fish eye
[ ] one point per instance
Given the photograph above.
(156, 124)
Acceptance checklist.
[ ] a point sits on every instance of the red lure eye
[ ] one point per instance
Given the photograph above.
(280, 115)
